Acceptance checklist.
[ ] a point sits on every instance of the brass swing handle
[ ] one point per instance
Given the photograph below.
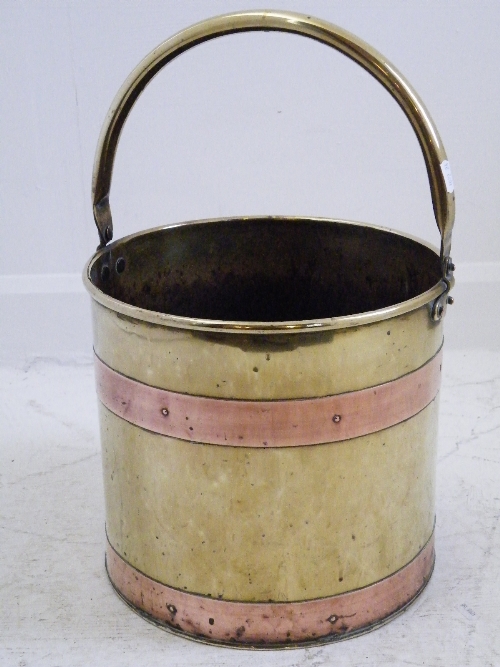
(440, 180)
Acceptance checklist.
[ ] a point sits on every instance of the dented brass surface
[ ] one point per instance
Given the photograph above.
(281, 524)
(271, 624)
(282, 423)
(265, 367)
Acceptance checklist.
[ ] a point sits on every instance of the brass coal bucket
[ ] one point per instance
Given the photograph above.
(268, 392)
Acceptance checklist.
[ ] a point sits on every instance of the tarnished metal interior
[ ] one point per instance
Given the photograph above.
(266, 269)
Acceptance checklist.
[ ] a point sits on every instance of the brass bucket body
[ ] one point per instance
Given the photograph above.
(268, 400)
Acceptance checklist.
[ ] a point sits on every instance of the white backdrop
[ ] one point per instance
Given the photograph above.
(249, 124)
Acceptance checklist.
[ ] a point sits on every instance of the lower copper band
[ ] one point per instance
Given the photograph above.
(281, 423)
(272, 623)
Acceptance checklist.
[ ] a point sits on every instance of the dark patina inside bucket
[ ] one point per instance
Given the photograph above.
(266, 269)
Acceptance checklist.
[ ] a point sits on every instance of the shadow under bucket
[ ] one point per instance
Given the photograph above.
(268, 393)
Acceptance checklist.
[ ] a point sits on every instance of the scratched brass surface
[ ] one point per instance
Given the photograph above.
(260, 367)
(270, 524)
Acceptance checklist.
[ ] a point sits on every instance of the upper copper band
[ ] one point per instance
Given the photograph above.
(268, 623)
(283, 423)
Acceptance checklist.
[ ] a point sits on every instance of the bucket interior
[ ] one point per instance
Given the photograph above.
(265, 269)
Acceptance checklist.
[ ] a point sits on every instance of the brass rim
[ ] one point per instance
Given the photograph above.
(227, 326)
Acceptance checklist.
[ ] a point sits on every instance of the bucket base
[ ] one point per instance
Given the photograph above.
(271, 625)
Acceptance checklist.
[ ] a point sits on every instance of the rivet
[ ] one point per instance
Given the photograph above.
(105, 273)
(451, 267)
(120, 265)
(164, 412)
(332, 618)
(450, 300)
(336, 419)
(108, 233)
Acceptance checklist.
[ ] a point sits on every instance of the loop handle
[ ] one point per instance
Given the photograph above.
(441, 184)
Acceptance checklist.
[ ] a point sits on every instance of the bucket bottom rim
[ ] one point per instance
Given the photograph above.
(367, 608)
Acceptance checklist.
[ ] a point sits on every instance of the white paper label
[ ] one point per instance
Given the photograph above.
(448, 178)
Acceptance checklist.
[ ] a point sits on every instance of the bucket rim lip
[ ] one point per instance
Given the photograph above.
(249, 327)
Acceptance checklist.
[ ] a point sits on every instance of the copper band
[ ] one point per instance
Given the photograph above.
(281, 423)
(268, 623)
